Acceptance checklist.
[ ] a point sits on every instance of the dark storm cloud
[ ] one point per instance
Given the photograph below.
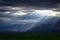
(40, 3)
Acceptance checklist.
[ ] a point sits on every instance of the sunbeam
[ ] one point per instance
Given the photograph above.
(23, 19)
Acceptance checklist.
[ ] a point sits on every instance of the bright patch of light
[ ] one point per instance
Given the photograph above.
(46, 12)
(57, 13)
(38, 11)
(19, 13)
(15, 8)
(6, 12)
(52, 14)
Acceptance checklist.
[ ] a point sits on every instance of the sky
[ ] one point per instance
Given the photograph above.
(27, 17)
(45, 3)
(22, 19)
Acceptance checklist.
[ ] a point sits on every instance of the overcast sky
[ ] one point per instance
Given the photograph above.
(40, 3)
